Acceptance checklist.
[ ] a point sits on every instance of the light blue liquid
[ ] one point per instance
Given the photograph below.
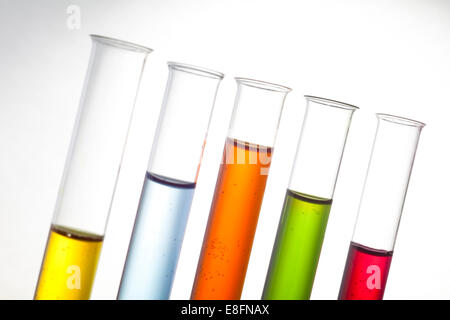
(156, 241)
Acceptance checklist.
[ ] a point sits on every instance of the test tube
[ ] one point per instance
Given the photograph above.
(91, 169)
(239, 190)
(307, 204)
(370, 253)
(169, 183)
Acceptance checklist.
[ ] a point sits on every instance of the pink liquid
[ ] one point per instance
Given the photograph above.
(365, 273)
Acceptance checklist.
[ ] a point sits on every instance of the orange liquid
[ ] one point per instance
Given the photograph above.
(232, 222)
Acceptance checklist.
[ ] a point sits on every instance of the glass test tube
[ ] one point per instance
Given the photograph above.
(239, 190)
(380, 209)
(170, 182)
(91, 169)
(307, 204)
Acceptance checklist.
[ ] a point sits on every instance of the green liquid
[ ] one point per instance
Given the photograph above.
(296, 252)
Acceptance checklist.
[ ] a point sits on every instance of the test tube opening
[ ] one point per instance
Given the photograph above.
(262, 85)
(331, 103)
(200, 71)
(400, 120)
(120, 43)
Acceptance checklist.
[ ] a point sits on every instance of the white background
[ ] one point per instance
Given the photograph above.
(383, 56)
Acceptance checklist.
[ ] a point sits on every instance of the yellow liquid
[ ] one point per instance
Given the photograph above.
(69, 265)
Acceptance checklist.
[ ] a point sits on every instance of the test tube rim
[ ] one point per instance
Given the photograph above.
(331, 103)
(120, 43)
(400, 120)
(264, 85)
(196, 70)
